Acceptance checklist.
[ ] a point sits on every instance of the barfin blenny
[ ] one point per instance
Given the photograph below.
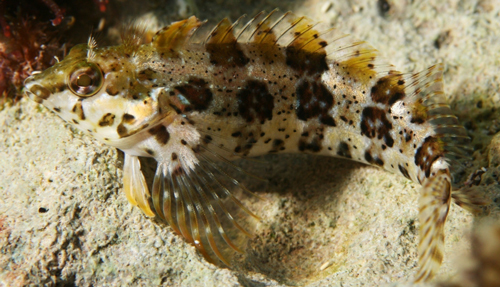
(276, 84)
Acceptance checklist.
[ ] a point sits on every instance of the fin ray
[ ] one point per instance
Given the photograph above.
(434, 203)
(176, 35)
(196, 203)
(134, 184)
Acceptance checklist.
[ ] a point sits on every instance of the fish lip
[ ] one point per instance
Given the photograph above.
(29, 79)
(28, 83)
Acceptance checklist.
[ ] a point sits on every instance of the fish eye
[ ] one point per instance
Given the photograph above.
(85, 80)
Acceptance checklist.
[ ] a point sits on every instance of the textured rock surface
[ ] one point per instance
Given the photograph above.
(326, 222)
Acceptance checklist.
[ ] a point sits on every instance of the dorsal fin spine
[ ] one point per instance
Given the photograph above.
(248, 24)
(212, 32)
(309, 27)
(201, 23)
(314, 39)
(274, 25)
(260, 24)
(231, 29)
(295, 23)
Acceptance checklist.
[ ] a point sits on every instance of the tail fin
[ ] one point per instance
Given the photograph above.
(434, 202)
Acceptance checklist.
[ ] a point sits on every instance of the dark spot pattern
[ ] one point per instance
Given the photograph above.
(430, 150)
(404, 171)
(160, 133)
(255, 102)
(314, 145)
(374, 123)
(178, 171)
(388, 89)
(107, 120)
(207, 139)
(78, 110)
(149, 151)
(306, 62)
(343, 150)
(122, 130)
(418, 113)
(278, 145)
(146, 75)
(197, 93)
(373, 160)
(227, 55)
(314, 100)
(128, 118)
(112, 90)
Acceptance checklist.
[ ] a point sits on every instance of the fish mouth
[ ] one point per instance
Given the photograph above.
(35, 91)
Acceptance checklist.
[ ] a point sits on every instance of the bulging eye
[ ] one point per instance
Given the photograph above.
(85, 80)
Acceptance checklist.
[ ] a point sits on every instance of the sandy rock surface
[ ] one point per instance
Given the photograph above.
(326, 222)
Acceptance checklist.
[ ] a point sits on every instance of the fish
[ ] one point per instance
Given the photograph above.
(195, 95)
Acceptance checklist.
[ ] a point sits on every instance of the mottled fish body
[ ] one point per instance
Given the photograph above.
(273, 85)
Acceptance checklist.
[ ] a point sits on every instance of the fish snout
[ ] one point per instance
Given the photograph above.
(35, 91)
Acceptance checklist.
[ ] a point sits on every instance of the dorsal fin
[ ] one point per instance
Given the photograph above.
(223, 47)
(173, 37)
(263, 32)
(222, 33)
(304, 39)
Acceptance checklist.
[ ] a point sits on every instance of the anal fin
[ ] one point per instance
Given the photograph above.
(434, 202)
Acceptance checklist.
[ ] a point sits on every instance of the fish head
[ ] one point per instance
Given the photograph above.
(100, 91)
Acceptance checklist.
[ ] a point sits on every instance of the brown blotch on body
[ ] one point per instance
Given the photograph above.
(107, 120)
(314, 100)
(197, 93)
(255, 102)
(374, 123)
(160, 133)
(222, 47)
(430, 150)
(306, 62)
(389, 89)
(227, 55)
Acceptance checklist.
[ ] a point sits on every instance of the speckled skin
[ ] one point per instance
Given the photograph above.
(284, 89)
